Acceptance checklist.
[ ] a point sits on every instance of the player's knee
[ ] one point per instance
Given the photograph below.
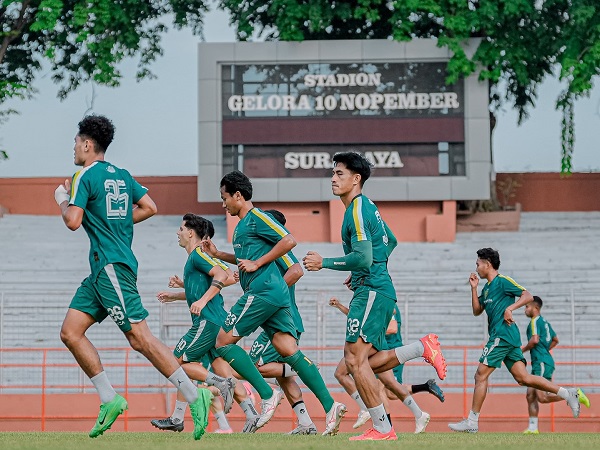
(523, 380)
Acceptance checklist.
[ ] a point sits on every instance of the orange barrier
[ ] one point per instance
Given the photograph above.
(73, 407)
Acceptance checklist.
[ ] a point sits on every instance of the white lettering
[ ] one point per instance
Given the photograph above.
(322, 160)
(291, 160)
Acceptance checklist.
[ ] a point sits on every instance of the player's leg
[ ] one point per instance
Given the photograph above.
(431, 387)
(293, 393)
(343, 377)
(175, 421)
(216, 408)
(533, 408)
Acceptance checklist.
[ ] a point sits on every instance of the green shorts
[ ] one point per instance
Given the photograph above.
(252, 311)
(262, 351)
(497, 351)
(197, 342)
(369, 316)
(542, 369)
(113, 293)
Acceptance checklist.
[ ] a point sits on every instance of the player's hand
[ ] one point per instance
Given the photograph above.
(312, 261)
(334, 302)
(236, 276)
(247, 265)
(348, 282)
(175, 282)
(61, 194)
(165, 297)
(197, 307)
(474, 280)
(209, 247)
(508, 317)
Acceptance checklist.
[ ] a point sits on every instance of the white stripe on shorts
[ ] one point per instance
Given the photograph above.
(246, 307)
(199, 331)
(112, 276)
(370, 301)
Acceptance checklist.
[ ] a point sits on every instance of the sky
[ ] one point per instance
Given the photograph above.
(156, 121)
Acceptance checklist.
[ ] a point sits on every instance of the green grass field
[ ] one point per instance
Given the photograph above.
(263, 441)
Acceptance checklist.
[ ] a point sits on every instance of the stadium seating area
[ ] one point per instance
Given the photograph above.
(42, 263)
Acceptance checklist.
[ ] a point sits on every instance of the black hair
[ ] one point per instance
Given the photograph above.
(356, 163)
(210, 229)
(99, 129)
(491, 255)
(197, 223)
(236, 181)
(277, 215)
(538, 301)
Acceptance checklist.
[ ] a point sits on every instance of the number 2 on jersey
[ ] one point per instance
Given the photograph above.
(117, 202)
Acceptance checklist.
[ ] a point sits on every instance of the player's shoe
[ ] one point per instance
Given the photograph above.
(528, 431)
(432, 353)
(363, 417)
(435, 390)
(573, 401)
(249, 392)
(250, 425)
(199, 410)
(333, 419)
(373, 435)
(268, 406)
(168, 424)
(304, 429)
(223, 431)
(465, 426)
(226, 389)
(421, 423)
(583, 399)
(108, 414)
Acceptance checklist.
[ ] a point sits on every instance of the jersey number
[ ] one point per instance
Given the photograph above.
(117, 202)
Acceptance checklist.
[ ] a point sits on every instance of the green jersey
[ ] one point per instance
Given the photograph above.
(253, 237)
(495, 297)
(283, 264)
(541, 351)
(362, 222)
(107, 194)
(196, 282)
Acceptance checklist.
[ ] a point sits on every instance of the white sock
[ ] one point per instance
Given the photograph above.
(302, 414)
(211, 379)
(359, 401)
(248, 408)
(288, 371)
(103, 386)
(533, 423)
(184, 385)
(563, 393)
(379, 419)
(412, 405)
(179, 411)
(411, 351)
(474, 417)
(222, 420)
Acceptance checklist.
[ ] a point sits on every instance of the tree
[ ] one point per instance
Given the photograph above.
(522, 41)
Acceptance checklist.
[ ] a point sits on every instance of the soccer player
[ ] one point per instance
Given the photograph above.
(497, 299)
(367, 243)
(391, 380)
(106, 200)
(203, 279)
(258, 240)
(541, 339)
(270, 363)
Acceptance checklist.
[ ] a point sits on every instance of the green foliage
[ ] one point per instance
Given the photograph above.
(521, 41)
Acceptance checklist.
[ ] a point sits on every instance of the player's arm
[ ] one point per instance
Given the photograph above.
(336, 304)
(293, 274)
(392, 327)
(211, 249)
(475, 303)
(146, 208)
(392, 241)
(219, 278)
(554, 342)
(524, 299)
(72, 215)
(285, 244)
(535, 338)
(170, 296)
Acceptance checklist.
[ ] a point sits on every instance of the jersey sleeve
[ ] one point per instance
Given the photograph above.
(286, 261)
(511, 287)
(80, 190)
(268, 228)
(137, 190)
(203, 263)
(534, 326)
(359, 223)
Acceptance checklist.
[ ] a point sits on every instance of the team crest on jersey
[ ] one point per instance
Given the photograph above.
(110, 169)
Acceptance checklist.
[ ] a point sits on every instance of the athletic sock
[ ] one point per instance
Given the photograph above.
(184, 385)
(473, 417)
(239, 360)
(179, 411)
(407, 352)
(248, 408)
(308, 372)
(412, 405)
(302, 414)
(287, 371)
(359, 401)
(533, 423)
(380, 420)
(222, 420)
(416, 388)
(103, 386)
(389, 416)
(563, 393)
(212, 379)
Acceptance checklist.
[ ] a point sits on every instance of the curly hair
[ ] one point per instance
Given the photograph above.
(99, 129)
(236, 181)
(491, 255)
(355, 162)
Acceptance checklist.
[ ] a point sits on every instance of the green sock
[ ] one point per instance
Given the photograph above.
(308, 372)
(242, 364)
